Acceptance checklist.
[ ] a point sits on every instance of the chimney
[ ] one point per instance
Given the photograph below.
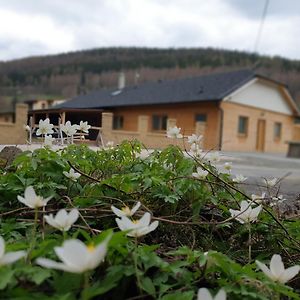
(136, 77)
(121, 81)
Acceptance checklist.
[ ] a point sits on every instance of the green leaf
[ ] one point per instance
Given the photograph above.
(5, 277)
(148, 286)
(40, 275)
(179, 296)
(66, 282)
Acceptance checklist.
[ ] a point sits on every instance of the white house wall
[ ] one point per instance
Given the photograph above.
(261, 95)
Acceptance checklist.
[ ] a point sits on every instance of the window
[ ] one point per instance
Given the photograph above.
(277, 130)
(243, 125)
(118, 122)
(159, 122)
(297, 120)
(200, 117)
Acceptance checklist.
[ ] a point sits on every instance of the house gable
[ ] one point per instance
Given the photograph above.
(263, 94)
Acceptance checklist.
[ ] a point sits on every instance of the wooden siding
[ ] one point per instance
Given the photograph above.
(184, 115)
(232, 141)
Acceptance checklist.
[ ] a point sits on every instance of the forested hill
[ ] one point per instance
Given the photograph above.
(65, 75)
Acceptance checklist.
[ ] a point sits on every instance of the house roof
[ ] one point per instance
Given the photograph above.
(212, 87)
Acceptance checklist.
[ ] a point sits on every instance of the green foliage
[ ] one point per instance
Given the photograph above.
(169, 263)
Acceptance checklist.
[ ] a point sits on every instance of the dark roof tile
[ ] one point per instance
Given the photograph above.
(211, 87)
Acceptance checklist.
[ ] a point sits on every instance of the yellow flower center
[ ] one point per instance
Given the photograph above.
(91, 248)
(135, 221)
(126, 210)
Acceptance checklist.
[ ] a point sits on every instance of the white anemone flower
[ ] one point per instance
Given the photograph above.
(277, 272)
(110, 144)
(213, 157)
(258, 198)
(277, 200)
(31, 200)
(204, 294)
(72, 174)
(239, 178)
(63, 220)
(168, 167)
(201, 174)
(9, 257)
(194, 139)
(196, 150)
(246, 214)
(138, 227)
(228, 166)
(84, 127)
(174, 133)
(126, 211)
(45, 127)
(69, 129)
(48, 140)
(271, 182)
(27, 128)
(76, 257)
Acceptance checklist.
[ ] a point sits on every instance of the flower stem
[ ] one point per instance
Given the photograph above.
(33, 234)
(86, 285)
(69, 187)
(136, 265)
(249, 242)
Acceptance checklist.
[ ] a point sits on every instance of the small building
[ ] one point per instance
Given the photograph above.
(37, 104)
(234, 111)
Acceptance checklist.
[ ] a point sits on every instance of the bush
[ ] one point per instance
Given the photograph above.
(198, 242)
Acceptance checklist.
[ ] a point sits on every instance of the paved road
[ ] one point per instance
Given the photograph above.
(257, 166)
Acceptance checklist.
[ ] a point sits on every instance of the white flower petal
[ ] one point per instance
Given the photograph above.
(221, 295)
(135, 208)
(276, 266)
(289, 273)
(145, 220)
(45, 201)
(97, 256)
(51, 264)
(50, 220)
(73, 253)
(2, 247)
(117, 211)
(73, 216)
(234, 212)
(153, 226)
(121, 224)
(204, 294)
(11, 257)
(265, 269)
(25, 201)
(61, 216)
(244, 205)
(255, 212)
(29, 193)
(38, 132)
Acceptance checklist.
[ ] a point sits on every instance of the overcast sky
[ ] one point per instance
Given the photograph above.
(39, 27)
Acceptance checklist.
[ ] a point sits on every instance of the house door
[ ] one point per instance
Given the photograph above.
(260, 137)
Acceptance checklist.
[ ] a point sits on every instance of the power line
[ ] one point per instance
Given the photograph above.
(261, 25)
